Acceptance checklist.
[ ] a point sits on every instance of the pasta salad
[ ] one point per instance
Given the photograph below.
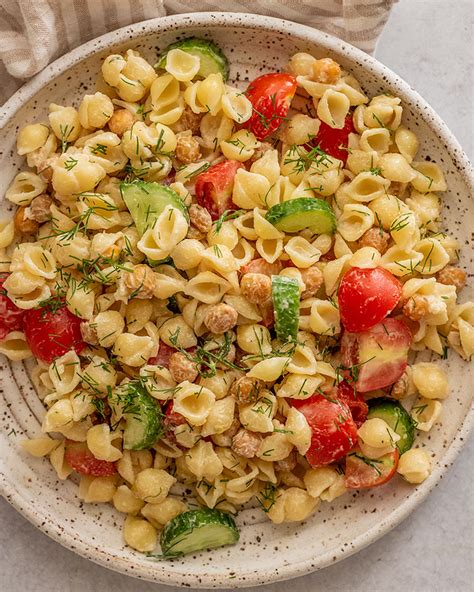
(222, 289)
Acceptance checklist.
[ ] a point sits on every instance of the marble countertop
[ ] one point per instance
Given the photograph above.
(428, 43)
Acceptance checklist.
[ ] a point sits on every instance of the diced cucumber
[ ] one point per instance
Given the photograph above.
(197, 530)
(397, 418)
(213, 61)
(286, 303)
(303, 212)
(143, 416)
(146, 200)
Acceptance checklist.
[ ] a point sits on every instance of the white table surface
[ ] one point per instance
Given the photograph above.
(427, 42)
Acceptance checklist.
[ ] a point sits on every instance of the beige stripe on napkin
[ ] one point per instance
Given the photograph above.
(35, 32)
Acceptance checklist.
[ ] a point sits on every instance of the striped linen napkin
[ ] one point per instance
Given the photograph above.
(35, 32)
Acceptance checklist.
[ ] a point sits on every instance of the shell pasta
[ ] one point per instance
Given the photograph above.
(223, 291)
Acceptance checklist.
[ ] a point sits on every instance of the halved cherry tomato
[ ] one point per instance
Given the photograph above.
(214, 187)
(334, 432)
(261, 266)
(11, 317)
(354, 400)
(270, 95)
(51, 334)
(334, 141)
(367, 296)
(377, 357)
(81, 459)
(362, 472)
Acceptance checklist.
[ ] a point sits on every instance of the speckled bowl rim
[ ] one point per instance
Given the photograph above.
(82, 547)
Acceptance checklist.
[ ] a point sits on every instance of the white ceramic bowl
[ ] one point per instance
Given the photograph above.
(265, 553)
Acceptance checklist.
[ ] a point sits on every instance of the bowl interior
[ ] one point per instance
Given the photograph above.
(266, 552)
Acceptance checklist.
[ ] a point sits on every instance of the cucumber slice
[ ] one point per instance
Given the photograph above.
(213, 61)
(146, 200)
(397, 418)
(143, 417)
(303, 212)
(286, 303)
(197, 530)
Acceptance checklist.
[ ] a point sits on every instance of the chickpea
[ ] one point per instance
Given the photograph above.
(416, 307)
(376, 238)
(181, 368)
(24, 224)
(246, 390)
(140, 282)
(187, 148)
(200, 218)
(89, 333)
(121, 121)
(256, 287)
(220, 318)
(246, 443)
(326, 71)
(452, 276)
(313, 279)
(40, 208)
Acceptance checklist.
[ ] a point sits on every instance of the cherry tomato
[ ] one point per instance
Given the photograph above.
(366, 297)
(214, 187)
(354, 400)
(51, 334)
(334, 432)
(334, 141)
(11, 317)
(270, 95)
(261, 266)
(81, 459)
(362, 472)
(378, 357)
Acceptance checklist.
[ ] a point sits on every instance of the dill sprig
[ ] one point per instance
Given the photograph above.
(227, 215)
(268, 497)
(303, 160)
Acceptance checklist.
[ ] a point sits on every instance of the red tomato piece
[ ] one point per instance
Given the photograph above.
(270, 95)
(362, 472)
(51, 334)
(261, 266)
(378, 357)
(173, 418)
(11, 317)
(214, 187)
(268, 313)
(354, 400)
(334, 141)
(334, 432)
(162, 358)
(81, 459)
(366, 297)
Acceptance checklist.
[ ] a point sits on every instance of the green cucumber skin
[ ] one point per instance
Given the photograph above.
(286, 303)
(397, 418)
(185, 533)
(144, 426)
(213, 60)
(146, 200)
(296, 214)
